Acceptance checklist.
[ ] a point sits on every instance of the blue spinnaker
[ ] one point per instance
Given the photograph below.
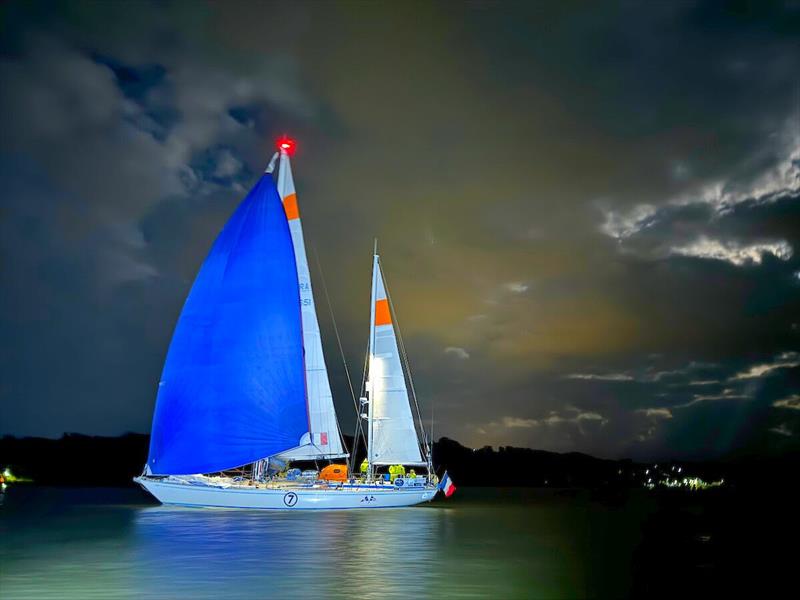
(233, 387)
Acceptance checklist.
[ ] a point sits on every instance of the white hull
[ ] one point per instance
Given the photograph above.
(293, 498)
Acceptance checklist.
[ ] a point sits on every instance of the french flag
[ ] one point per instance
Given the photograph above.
(447, 485)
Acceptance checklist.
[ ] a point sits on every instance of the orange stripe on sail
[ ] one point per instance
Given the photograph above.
(382, 315)
(290, 206)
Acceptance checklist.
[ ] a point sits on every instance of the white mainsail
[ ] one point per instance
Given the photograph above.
(323, 439)
(392, 436)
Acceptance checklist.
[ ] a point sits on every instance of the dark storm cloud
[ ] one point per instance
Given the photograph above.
(588, 215)
(94, 150)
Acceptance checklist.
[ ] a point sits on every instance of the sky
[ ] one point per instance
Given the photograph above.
(588, 214)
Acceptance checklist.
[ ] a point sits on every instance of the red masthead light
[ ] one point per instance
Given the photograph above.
(287, 144)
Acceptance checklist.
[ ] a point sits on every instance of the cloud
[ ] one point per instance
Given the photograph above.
(659, 375)
(227, 164)
(733, 252)
(778, 180)
(782, 429)
(514, 422)
(117, 175)
(786, 360)
(791, 402)
(601, 376)
(590, 416)
(775, 181)
(459, 353)
(655, 413)
(554, 418)
(130, 157)
(517, 287)
(726, 394)
(650, 374)
(653, 416)
(621, 226)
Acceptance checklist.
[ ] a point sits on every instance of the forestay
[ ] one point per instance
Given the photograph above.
(394, 437)
(233, 388)
(322, 438)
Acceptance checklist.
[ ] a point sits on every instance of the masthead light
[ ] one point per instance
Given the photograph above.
(287, 144)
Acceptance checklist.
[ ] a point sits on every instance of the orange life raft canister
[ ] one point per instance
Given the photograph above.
(334, 473)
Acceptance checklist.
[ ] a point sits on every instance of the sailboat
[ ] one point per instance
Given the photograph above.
(245, 389)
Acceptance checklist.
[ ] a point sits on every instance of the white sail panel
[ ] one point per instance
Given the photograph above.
(323, 439)
(394, 437)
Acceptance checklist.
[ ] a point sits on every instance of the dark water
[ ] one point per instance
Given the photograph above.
(484, 543)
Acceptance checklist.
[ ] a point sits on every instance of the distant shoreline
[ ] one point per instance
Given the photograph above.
(76, 459)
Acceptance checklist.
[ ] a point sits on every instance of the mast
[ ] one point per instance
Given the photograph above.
(323, 438)
(392, 437)
(370, 410)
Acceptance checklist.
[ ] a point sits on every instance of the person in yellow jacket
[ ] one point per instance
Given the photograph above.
(396, 471)
(364, 466)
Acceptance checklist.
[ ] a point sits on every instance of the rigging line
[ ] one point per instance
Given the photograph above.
(359, 425)
(335, 329)
(344, 361)
(366, 365)
(341, 437)
(430, 454)
(362, 393)
(405, 360)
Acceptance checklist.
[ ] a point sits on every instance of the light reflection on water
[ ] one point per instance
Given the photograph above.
(100, 543)
(366, 553)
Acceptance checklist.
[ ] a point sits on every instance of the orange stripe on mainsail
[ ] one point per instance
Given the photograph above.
(290, 206)
(382, 314)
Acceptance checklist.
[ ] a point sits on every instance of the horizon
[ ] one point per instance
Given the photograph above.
(729, 458)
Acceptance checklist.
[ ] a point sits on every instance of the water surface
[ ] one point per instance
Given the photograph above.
(484, 543)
